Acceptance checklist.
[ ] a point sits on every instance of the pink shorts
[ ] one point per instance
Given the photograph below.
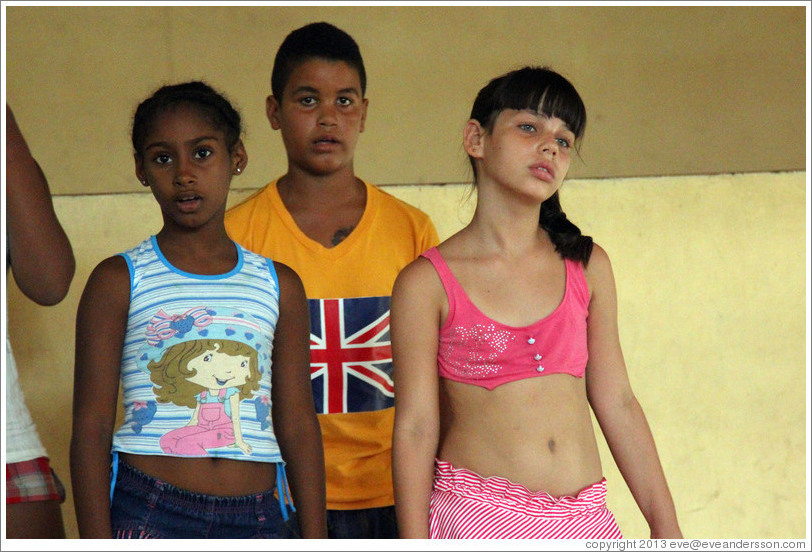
(33, 481)
(465, 505)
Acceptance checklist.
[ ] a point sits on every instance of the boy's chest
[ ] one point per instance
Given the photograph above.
(329, 227)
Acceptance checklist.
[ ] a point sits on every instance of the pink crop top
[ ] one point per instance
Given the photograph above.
(480, 351)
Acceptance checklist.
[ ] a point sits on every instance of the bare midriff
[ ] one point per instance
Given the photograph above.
(537, 432)
(212, 476)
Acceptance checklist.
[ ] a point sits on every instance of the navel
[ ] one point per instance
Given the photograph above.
(551, 445)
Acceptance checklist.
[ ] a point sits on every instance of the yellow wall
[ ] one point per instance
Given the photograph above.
(710, 269)
(668, 89)
(710, 275)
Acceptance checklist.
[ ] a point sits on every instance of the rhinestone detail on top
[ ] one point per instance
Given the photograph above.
(484, 344)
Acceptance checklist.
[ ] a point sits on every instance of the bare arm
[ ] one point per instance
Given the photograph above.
(294, 414)
(100, 328)
(620, 416)
(41, 256)
(414, 328)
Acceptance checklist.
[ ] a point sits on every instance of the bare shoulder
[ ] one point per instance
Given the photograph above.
(418, 298)
(599, 270)
(417, 275)
(105, 301)
(286, 273)
(289, 280)
(110, 278)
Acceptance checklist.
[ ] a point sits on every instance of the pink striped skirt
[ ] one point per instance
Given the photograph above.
(465, 505)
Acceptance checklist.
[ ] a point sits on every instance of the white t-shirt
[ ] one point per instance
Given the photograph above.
(22, 439)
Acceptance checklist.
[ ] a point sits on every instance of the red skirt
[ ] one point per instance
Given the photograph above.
(465, 505)
(33, 481)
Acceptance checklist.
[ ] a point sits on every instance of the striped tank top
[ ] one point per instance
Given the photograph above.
(196, 362)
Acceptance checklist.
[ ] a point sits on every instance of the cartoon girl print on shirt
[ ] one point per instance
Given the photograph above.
(210, 370)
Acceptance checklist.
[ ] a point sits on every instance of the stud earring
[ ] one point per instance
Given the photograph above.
(239, 170)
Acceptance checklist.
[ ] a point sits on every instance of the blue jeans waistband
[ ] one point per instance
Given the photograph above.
(145, 486)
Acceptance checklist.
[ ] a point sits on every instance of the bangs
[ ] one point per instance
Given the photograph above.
(537, 89)
(556, 102)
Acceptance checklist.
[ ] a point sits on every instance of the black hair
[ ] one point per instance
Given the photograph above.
(315, 40)
(543, 91)
(211, 104)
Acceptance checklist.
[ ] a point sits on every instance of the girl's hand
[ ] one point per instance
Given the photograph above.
(294, 416)
(416, 311)
(245, 447)
(101, 324)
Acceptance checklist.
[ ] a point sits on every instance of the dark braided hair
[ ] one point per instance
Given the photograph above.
(544, 91)
(210, 103)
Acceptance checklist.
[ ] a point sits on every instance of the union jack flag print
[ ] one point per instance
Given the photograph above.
(351, 355)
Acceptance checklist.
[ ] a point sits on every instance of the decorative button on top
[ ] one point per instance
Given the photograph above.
(531, 340)
(537, 357)
(540, 368)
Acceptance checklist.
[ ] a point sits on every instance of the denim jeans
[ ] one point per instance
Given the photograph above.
(147, 508)
(371, 523)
